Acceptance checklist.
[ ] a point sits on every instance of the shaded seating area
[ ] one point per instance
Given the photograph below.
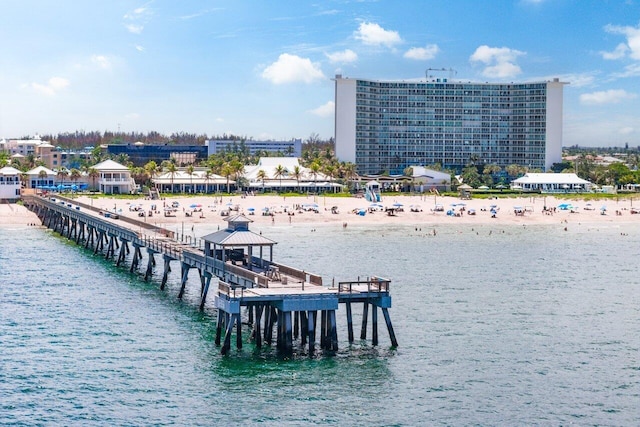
(239, 246)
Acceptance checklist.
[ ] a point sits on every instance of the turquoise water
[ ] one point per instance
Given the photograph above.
(497, 326)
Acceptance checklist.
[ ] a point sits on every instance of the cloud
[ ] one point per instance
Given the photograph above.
(291, 69)
(325, 110)
(619, 52)
(632, 70)
(612, 96)
(53, 86)
(422, 53)
(500, 61)
(101, 61)
(345, 56)
(627, 130)
(633, 40)
(375, 35)
(137, 18)
(139, 48)
(135, 29)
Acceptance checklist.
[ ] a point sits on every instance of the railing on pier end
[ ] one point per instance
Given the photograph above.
(373, 284)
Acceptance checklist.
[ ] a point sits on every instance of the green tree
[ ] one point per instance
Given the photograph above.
(278, 173)
(261, 176)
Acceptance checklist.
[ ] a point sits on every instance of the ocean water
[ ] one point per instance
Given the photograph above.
(496, 326)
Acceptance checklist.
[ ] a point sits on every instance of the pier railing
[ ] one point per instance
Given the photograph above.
(373, 284)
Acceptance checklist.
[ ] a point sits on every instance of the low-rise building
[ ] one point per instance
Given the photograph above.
(552, 183)
(10, 184)
(114, 178)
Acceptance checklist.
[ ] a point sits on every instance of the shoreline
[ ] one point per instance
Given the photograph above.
(317, 210)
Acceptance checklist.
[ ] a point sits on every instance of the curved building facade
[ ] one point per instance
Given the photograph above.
(387, 126)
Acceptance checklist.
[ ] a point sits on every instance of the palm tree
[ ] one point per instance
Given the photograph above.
(93, 173)
(152, 169)
(314, 171)
(42, 176)
(297, 174)
(74, 175)
(279, 172)
(207, 176)
(172, 169)
(330, 171)
(190, 169)
(261, 176)
(237, 168)
(62, 174)
(227, 171)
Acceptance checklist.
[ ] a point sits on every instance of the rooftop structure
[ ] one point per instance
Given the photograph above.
(292, 148)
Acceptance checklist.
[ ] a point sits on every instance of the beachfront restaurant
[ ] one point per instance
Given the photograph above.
(552, 183)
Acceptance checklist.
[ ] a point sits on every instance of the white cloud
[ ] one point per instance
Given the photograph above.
(137, 19)
(132, 116)
(345, 56)
(101, 61)
(627, 130)
(632, 70)
(612, 96)
(374, 34)
(53, 86)
(500, 61)
(619, 52)
(325, 110)
(139, 48)
(134, 28)
(422, 53)
(633, 39)
(291, 69)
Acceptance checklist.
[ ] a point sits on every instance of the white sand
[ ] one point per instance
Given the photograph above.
(282, 206)
(16, 215)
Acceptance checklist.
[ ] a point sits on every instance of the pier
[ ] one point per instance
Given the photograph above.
(239, 264)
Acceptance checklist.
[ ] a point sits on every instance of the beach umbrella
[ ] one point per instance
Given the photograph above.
(397, 205)
(250, 209)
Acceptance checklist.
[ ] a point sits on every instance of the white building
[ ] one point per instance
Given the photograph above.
(552, 183)
(426, 179)
(41, 177)
(306, 181)
(198, 182)
(114, 178)
(10, 183)
(387, 126)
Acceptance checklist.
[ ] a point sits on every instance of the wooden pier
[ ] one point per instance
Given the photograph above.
(274, 295)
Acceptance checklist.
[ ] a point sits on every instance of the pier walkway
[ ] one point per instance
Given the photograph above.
(241, 263)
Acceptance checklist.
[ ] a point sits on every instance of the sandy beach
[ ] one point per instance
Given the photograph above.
(278, 210)
(343, 211)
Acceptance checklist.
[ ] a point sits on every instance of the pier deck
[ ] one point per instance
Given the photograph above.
(270, 292)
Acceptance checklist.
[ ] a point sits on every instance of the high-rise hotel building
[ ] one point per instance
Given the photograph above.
(387, 126)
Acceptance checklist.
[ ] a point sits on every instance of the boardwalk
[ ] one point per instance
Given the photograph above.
(241, 265)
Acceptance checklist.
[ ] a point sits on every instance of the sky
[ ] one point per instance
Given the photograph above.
(263, 69)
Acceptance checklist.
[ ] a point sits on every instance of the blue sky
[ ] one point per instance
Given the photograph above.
(263, 69)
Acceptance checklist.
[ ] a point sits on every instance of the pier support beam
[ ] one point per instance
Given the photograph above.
(137, 256)
(205, 290)
(185, 275)
(151, 262)
(349, 322)
(365, 315)
(387, 319)
(167, 270)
